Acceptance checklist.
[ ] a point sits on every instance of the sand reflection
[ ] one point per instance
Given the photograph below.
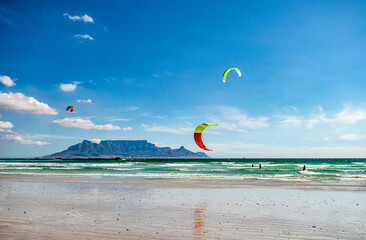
(199, 221)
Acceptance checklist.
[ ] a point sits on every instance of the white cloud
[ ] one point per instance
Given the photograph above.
(6, 130)
(120, 119)
(127, 129)
(227, 125)
(84, 101)
(45, 136)
(68, 87)
(5, 127)
(350, 117)
(85, 123)
(352, 137)
(134, 108)
(20, 103)
(95, 140)
(290, 121)
(85, 18)
(7, 81)
(253, 150)
(243, 120)
(22, 140)
(346, 116)
(84, 36)
(6, 124)
(159, 128)
(150, 115)
(233, 119)
(320, 118)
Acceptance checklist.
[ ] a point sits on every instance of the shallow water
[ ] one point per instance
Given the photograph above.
(317, 170)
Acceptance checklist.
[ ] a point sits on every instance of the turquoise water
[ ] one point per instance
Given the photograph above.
(322, 170)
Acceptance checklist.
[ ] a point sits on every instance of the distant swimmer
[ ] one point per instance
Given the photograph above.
(303, 168)
(260, 166)
(252, 165)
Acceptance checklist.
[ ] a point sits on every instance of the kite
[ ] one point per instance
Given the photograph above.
(71, 108)
(227, 71)
(198, 135)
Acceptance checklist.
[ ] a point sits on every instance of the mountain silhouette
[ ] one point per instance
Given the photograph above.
(123, 149)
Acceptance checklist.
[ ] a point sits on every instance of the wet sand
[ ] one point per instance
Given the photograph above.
(34, 207)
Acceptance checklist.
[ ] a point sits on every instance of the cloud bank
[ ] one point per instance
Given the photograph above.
(19, 103)
(159, 128)
(347, 116)
(22, 140)
(352, 137)
(85, 123)
(233, 119)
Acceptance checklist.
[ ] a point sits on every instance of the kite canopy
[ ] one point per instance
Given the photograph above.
(71, 108)
(198, 135)
(227, 71)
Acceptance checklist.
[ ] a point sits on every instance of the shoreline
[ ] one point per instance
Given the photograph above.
(37, 207)
(127, 159)
(190, 183)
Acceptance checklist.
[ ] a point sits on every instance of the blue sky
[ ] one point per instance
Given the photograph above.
(153, 70)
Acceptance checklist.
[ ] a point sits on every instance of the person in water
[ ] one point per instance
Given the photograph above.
(260, 166)
(252, 165)
(303, 168)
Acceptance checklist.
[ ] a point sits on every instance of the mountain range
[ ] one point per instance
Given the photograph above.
(123, 149)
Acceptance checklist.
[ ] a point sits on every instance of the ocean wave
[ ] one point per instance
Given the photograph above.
(181, 164)
(46, 164)
(306, 172)
(22, 168)
(193, 176)
(360, 163)
(100, 165)
(124, 169)
(354, 170)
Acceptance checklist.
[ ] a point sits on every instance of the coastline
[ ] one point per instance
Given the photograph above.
(60, 207)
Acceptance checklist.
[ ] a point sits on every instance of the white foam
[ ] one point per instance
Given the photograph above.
(46, 164)
(101, 165)
(21, 168)
(306, 172)
(124, 169)
(181, 165)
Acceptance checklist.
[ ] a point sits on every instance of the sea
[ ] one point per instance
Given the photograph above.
(316, 170)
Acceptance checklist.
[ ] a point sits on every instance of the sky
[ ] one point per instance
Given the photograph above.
(152, 70)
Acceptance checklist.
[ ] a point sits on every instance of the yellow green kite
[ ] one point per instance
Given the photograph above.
(227, 71)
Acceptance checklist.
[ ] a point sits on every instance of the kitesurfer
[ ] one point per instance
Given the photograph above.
(303, 168)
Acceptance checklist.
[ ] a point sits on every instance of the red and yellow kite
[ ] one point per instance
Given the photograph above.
(198, 135)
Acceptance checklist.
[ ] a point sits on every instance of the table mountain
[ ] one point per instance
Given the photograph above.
(123, 149)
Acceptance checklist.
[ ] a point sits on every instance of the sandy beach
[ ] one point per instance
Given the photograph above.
(34, 207)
